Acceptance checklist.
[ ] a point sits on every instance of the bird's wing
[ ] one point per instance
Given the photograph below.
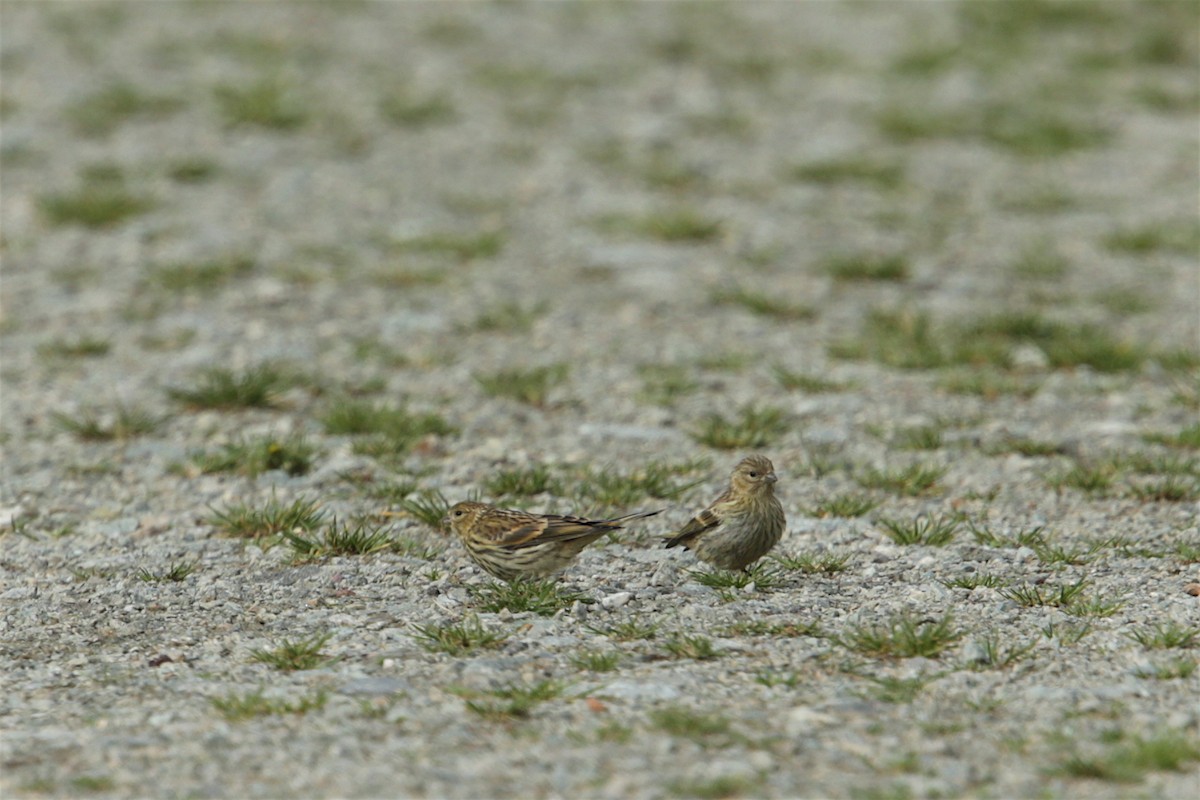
(518, 529)
(505, 527)
(562, 528)
(706, 520)
(551, 528)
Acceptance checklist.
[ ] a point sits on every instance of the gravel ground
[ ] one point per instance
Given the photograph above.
(871, 236)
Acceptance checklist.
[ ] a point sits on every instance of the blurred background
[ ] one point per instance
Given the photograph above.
(655, 211)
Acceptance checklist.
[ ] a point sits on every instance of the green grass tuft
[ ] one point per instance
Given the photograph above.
(596, 660)
(77, 347)
(993, 654)
(429, 506)
(192, 170)
(302, 654)
(266, 104)
(904, 636)
(693, 646)
(530, 386)
(1070, 633)
(814, 563)
(1166, 636)
(220, 388)
(608, 487)
(762, 304)
(1034, 537)
(843, 506)
(240, 707)
(100, 113)
(515, 701)
(753, 426)
(508, 317)
(124, 423)
(523, 482)
(663, 384)
(901, 339)
(852, 169)
(176, 573)
(762, 627)
(989, 383)
(95, 204)
(726, 361)
(339, 539)
(407, 109)
(974, 580)
(200, 276)
(812, 384)
(1175, 669)
(1041, 261)
(1170, 236)
(465, 637)
(675, 225)
(1130, 762)
(384, 431)
(891, 689)
(1031, 595)
(729, 583)
(722, 786)
(911, 340)
(924, 437)
(543, 597)
(628, 631)
(1028, 130)
(272, 519)
(252, 457)
(1069, 597)
(1094, 479)
(1172, 489)
(913, 480)
(929, 531)
(1030, 448)
(704, 728)
(879, 268)
(462, 247)
(84, 784)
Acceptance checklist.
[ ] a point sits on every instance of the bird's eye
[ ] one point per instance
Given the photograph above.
(459, 513)
(753, 474)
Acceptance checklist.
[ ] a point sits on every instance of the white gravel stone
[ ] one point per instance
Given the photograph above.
(616, 600)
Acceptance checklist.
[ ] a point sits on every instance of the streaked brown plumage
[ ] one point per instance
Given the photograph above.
(741, 525)
(510, 544)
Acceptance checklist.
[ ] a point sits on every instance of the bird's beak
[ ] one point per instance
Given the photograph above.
(445, 523)
(772, 477)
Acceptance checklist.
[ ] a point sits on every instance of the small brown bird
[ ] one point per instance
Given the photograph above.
(741, 525)
(510, 544)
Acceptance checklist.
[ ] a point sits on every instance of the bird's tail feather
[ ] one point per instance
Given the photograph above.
(635, 515)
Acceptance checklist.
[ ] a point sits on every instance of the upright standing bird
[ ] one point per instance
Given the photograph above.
(741, 525)
(510, 544)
